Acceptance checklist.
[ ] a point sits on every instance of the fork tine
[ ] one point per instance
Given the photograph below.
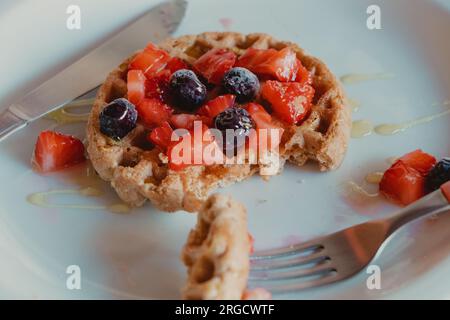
(323, 267)
(290, 286)
(267, 264)
(286, 251)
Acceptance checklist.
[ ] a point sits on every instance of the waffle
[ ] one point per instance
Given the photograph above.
(138, 173)
(217, 252)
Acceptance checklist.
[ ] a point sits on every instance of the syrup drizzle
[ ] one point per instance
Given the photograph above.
(361, 128)
(374, 177)
(394, 128)
(66, 114)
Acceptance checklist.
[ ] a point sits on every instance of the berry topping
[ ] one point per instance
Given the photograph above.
(217, 105)
(281, 65)
(157, 86)
(118, 118)
(239, 121)
(55, 151)
(186, 120)
(150, 61)
(242, 83)
(153, 112)
(136, 86)
(438, 175)
(161, 136)
(291, 101)
(187, 89)
(214, 64)
(404, 181)
(176, 64)
(263, 120)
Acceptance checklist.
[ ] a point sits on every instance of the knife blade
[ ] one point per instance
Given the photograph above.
(90, 71)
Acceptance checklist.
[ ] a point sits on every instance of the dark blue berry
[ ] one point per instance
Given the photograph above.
(242, 83)
(118, 118)
(238, 120)
(187, 90)
(438, 175)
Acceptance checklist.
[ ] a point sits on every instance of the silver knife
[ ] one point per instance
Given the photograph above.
(90, 71)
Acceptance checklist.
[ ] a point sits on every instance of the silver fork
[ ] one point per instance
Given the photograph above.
(339, 255)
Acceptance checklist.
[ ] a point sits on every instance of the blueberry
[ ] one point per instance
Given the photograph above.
(438, 175)
(118, 118)
(236, 119)
(242, 83)
(187, 90)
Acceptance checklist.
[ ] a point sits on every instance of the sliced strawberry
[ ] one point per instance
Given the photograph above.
(136, 86)
(291, 101)
(175, 64)
(153, 112)
(217, 105)
(157, 86)
(281, 65)
(150, 61)
(263, 121)
(402, 184)
(419, 160)
(302, 76)
(55, 151)
(161, 136)
(214, 64)
(194, 142)
(404, 181)
(186, 120)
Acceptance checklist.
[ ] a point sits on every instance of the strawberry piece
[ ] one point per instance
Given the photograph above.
(281, 65)
(194, 145)
(252, 243)
(217, 105)
(214, 64)
(302, 76)
(161, 136)
(263, 121)
(404, 181)
(402, 184)
(153, 112)
(291, 102)
(136, 86)
(175, 64)
(150, 61)
(186, 120)
(157, 86)
(55, 151)
(419, 160)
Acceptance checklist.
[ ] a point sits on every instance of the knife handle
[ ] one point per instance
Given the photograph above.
(9, 122)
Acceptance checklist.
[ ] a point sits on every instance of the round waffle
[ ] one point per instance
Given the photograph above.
(138, 172)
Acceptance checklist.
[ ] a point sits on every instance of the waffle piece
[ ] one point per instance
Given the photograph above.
(217, 252)
(138, 174)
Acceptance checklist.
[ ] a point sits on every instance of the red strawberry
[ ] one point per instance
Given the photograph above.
(263, 120)
(194, 145)
(291, 101)
(157, 87)
(55, 151)
(419, 160)
(161, 136)
(404, 181)
(302, 76)
(281, 65)
(150, 61)
(136, 86)
(186, 120)
(153, 112)
(215, 106)
(176, 64)
(214, 64)
(403, 184)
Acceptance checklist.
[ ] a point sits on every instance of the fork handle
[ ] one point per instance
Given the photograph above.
(434, 203)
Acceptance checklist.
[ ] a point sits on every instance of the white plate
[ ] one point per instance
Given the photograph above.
(137, 254)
